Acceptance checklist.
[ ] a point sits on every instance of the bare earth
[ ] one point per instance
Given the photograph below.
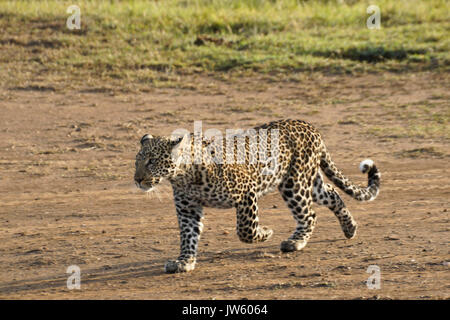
(67, 195)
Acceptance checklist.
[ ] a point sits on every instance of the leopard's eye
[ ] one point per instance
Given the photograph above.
(151, 161)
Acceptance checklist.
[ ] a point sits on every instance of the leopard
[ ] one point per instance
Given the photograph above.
(291, 157)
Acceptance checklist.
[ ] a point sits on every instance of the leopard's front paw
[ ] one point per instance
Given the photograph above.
(350, 230)
(175, 266)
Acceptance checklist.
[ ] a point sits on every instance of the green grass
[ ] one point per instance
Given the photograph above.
(156, 41)
(421, 121)
(422, 153)
(427, 131)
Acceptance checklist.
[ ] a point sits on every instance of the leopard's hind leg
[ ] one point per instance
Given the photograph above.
(296, 190)
(325, 194)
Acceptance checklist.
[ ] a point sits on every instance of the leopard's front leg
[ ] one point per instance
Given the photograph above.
(190, 215)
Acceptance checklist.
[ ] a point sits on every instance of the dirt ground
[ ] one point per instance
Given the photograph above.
(67, 195)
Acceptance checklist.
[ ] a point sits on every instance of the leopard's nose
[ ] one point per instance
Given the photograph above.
(138, 181)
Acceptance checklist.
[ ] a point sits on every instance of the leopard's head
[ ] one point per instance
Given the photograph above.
(155, 160)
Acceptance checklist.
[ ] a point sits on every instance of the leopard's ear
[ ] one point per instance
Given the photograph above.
(180, 144)
(177, 141)
(145, 138)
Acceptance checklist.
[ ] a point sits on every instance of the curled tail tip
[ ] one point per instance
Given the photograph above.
(366, 165)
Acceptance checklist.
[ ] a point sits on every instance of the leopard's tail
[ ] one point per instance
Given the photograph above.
(368, 193)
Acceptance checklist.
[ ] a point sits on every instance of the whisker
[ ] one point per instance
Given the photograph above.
(157, 195)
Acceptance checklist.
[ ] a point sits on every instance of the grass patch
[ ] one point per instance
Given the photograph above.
(423, 119)
(413, 131)
(422, 153)
(142, 42)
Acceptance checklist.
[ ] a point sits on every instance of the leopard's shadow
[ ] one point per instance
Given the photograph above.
(142, 269)
(121, 272)
(253, 252)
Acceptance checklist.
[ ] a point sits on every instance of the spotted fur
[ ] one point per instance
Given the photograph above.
(297, 175)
